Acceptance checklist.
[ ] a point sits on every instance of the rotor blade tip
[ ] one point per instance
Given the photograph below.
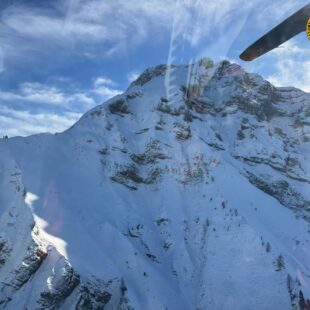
(246, 56)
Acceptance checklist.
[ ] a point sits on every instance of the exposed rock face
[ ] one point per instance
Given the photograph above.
(158, 202)
(149, 74)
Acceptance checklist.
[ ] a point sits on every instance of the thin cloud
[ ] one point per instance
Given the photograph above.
(24, 123)
(106, 92)
(101, 80)
(69, 106)
(105, 88)
(112, 24)
(41, 94)
(1, 60)
(119, 25)
(132, 76)
(290, 62)
(38, 93)
(123, 24)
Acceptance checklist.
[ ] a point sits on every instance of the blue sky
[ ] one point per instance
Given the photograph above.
(59, 58)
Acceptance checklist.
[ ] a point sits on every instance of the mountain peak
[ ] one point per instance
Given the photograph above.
(193, 183)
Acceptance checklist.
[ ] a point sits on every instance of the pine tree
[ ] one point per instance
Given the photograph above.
(279, 263)
(302, 302)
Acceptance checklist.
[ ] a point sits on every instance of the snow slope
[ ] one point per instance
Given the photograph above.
(196, 201)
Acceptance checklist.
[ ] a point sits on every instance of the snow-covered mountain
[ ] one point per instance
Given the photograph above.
(188, 191)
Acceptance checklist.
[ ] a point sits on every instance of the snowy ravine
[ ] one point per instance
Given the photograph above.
(196, 200)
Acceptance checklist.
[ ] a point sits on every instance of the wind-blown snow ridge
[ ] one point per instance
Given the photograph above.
(196, 201)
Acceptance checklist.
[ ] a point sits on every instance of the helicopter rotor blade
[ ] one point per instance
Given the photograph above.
(290, 27)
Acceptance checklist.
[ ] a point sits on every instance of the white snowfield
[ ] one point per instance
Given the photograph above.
(196, 201)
